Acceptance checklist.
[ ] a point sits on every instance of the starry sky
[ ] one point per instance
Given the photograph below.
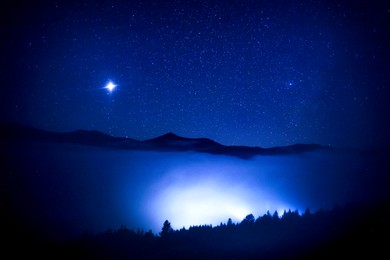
(256, 73)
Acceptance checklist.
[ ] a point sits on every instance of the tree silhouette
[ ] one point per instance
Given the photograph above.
(248, 220)
(275, 216)
(166, 229)
(324, 233)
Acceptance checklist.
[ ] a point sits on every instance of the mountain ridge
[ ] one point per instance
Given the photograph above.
(167, 142)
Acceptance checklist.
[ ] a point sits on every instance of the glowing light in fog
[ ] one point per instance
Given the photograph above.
(203, 204)
(209, 194)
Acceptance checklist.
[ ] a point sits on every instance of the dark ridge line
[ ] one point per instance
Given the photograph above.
(12, 132)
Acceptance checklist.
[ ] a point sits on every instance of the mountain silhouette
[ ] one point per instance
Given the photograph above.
(12, 132)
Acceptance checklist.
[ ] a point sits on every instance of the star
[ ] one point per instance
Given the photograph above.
(110, 86)
(290, 84)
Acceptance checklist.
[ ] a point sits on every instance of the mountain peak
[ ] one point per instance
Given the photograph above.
(168, 137)
(171, 135)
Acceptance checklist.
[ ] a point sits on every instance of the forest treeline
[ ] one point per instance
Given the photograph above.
(351, 230)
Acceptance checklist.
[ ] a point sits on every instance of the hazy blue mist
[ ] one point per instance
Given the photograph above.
(66, 189)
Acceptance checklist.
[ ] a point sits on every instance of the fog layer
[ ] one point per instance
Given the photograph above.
(63, 190)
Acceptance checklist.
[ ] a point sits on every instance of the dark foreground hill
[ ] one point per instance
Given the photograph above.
(166, 142)
(354, 230)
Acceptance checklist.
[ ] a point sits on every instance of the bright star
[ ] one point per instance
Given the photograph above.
(110, 86)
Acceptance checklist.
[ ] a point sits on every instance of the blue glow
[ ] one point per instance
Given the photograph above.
(143, 189)
(210, 192)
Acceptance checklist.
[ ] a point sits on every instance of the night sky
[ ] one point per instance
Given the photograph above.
(256, 73)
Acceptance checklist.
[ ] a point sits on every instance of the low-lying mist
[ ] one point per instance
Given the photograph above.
(64, 190)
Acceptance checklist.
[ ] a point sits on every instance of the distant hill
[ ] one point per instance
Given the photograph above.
(167, 142)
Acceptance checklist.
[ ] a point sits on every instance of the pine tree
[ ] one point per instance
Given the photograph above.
(166, 229)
